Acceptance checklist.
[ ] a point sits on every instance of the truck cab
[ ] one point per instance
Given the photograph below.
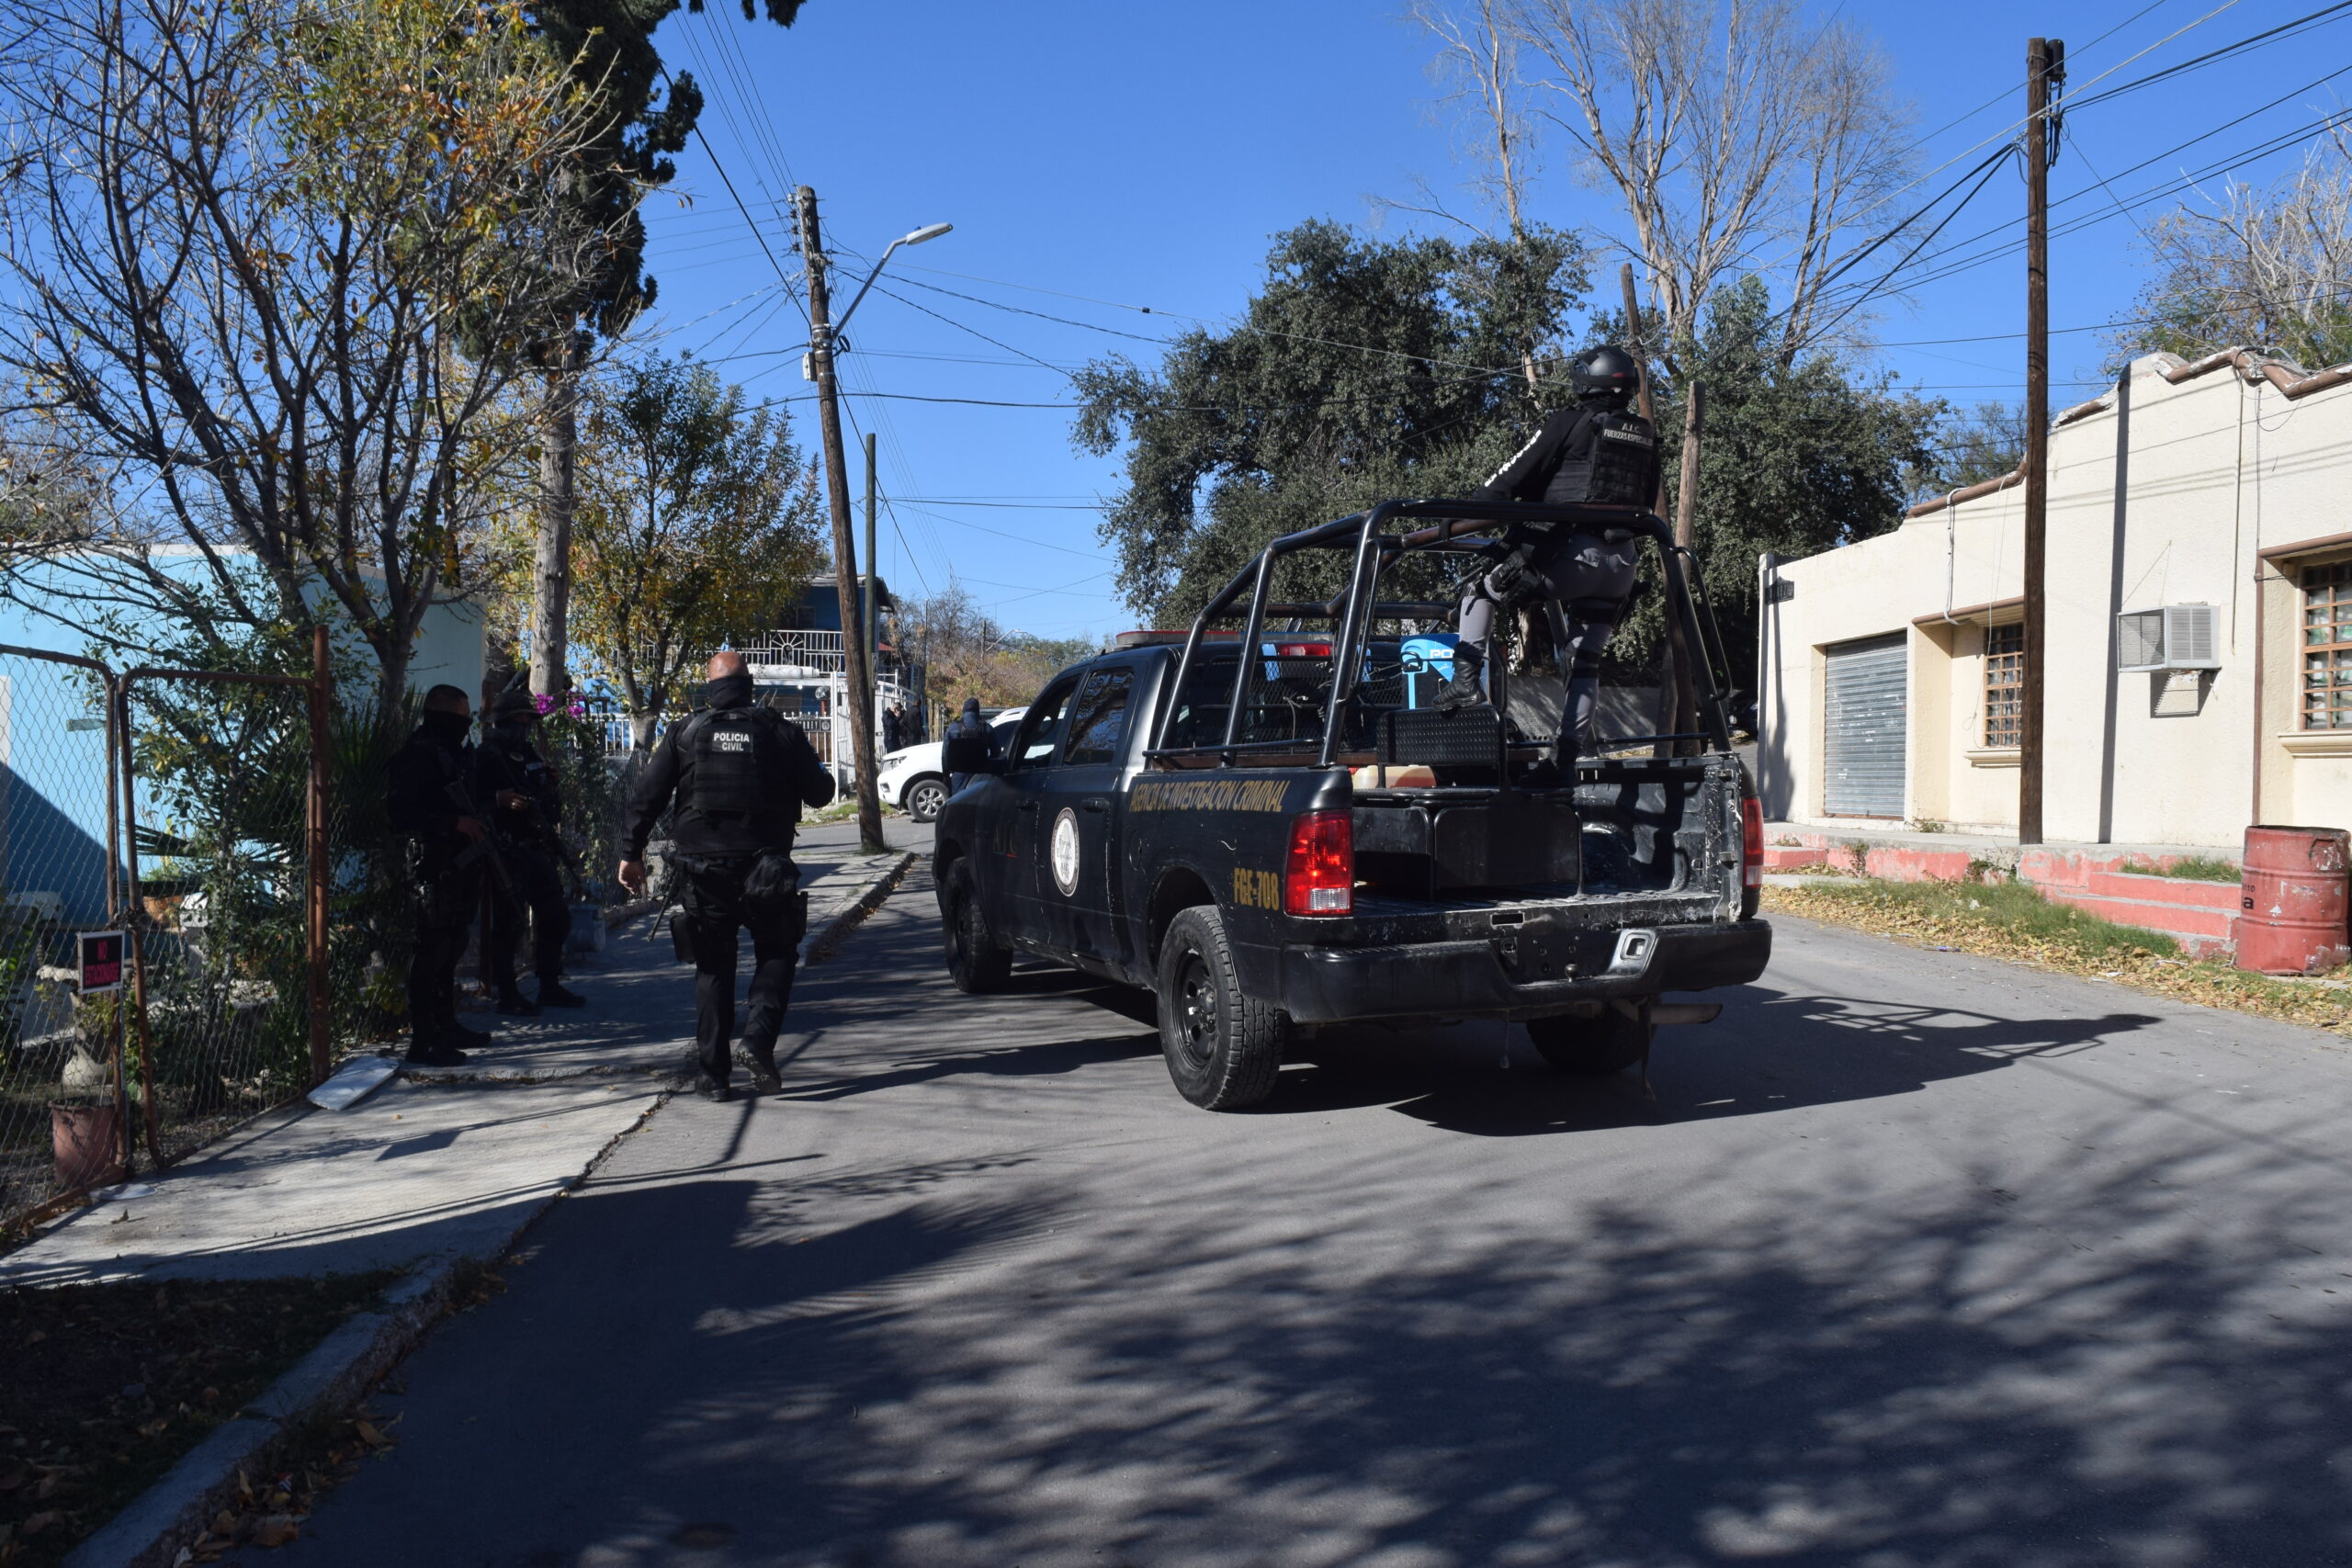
(1271, 830)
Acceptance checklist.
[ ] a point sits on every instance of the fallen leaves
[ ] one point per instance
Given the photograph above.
(1933, 916)
(270, 1513)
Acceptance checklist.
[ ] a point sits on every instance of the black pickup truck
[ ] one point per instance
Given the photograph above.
(1275, 826)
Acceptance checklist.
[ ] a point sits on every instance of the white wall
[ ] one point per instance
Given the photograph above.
(2218, 468)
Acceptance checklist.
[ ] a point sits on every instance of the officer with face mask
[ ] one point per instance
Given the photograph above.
(1594, 452)
(445, 858)
(739, 775)
(519, 789)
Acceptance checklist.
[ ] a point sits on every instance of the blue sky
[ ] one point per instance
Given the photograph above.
(1099, 158)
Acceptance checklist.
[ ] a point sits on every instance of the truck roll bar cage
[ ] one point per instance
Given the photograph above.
(1457, 527)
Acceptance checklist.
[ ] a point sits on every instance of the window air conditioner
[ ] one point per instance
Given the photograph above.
(2178, 636)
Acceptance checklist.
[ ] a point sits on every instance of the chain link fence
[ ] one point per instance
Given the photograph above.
(224, 963)
(62, 1086)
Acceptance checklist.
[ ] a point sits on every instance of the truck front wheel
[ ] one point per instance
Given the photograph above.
(1223, 1049)
(975, 961)
(1591, 1047)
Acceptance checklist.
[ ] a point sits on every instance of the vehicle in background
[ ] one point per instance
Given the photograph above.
(914, 779)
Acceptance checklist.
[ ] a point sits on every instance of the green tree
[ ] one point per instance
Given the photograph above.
(609, 45)
(698, 517)
(244, 239)
(1797, 457)
(1362, 370)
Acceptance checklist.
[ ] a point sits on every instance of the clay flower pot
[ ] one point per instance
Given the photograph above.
(87, 1141)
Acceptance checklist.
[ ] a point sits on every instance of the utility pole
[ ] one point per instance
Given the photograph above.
(1686, 535)
(856, 676)
(1675, 692)
(2045, 71)
(873, 577)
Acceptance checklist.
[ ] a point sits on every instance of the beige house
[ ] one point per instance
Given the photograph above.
(2199, 628)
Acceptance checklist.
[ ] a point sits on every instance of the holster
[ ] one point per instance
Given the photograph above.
(682, 936)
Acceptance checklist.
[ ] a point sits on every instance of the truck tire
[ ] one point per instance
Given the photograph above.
(977, 961)
(1591, 1047)
(925, 797)
(1223, 1049)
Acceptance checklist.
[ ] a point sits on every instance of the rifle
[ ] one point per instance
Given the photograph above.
(488, 845)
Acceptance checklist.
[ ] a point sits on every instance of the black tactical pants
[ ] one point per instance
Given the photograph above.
(1582, 582)
(443, 899)
(715, 909)
(538, 892)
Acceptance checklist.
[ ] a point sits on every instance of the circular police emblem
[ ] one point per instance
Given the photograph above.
(1062, 853)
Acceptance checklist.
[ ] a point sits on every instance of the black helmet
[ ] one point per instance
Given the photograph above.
(1606, 373)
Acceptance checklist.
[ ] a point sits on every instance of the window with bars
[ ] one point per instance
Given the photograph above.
(2004, 685)
(2327, 647)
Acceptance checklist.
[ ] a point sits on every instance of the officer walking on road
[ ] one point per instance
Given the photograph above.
(1594, 452)
(739, 775)
(967, 726)
(446, 845)
(519, 789)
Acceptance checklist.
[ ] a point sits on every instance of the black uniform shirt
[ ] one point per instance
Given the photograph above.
(506, 759)
(1552, 466)
(420, 773)
(807, 781)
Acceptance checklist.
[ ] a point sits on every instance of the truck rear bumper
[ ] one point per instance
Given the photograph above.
(1465, 979)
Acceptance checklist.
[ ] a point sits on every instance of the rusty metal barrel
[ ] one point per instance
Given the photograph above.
(2292, 901)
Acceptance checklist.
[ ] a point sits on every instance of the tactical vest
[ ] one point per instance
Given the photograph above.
(738, 765)
(1611, 460)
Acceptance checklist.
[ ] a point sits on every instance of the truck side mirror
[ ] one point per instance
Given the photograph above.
(969, 754)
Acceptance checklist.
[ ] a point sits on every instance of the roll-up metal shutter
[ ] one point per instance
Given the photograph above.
(1867, 725)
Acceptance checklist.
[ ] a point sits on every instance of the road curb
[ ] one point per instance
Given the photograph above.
(826, 934)
(156, 1528)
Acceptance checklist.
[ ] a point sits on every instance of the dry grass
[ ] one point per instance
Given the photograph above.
(2012, 921)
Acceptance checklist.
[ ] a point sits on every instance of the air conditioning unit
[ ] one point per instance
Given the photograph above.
(2177, 637)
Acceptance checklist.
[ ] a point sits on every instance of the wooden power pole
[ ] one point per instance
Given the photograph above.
(2045, 71)
(856, 676)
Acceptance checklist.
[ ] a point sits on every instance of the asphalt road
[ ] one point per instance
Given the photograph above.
(1913, 1259)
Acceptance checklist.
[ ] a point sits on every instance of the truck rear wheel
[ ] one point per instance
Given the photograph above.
(1223, 1049)
(977, 962)
(1591, 1047)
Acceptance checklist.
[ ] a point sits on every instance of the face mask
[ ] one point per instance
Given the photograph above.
(449, 728)
(728, 692)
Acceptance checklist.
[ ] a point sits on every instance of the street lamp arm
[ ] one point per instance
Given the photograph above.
(930, 231)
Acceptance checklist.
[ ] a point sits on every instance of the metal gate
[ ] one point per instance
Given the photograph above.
(1867, 725)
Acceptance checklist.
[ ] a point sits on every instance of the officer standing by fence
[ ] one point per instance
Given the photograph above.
(516, 786)
(447, 845)
(739, 775)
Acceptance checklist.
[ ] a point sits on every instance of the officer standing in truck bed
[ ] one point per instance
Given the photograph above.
(739, 775)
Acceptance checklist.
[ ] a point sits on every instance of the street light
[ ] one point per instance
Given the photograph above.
(928, 232)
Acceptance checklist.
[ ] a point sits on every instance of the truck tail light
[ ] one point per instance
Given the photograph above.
(1320, 875)
(1751, 842)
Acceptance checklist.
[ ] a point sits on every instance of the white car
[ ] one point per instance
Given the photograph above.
(912, 779)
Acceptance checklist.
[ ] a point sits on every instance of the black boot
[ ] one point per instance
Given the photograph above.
(434, 1051)
(513, 1002)
(765, 1079)
(1464, 690)
(552, 994)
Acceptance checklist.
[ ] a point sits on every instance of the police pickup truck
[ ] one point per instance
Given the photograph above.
(1275, 826)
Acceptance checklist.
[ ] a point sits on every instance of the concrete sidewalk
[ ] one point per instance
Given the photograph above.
(436, 1169)
(441, 1163)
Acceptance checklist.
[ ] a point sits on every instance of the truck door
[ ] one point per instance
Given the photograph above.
(1021, 841)
(1078, 814)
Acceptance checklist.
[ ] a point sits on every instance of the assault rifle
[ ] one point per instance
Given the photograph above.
(489, 845)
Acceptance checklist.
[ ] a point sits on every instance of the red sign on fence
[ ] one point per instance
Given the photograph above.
(101, 962)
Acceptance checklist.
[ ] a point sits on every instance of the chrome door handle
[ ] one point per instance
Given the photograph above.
(1096, 803)
(1028, 806)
